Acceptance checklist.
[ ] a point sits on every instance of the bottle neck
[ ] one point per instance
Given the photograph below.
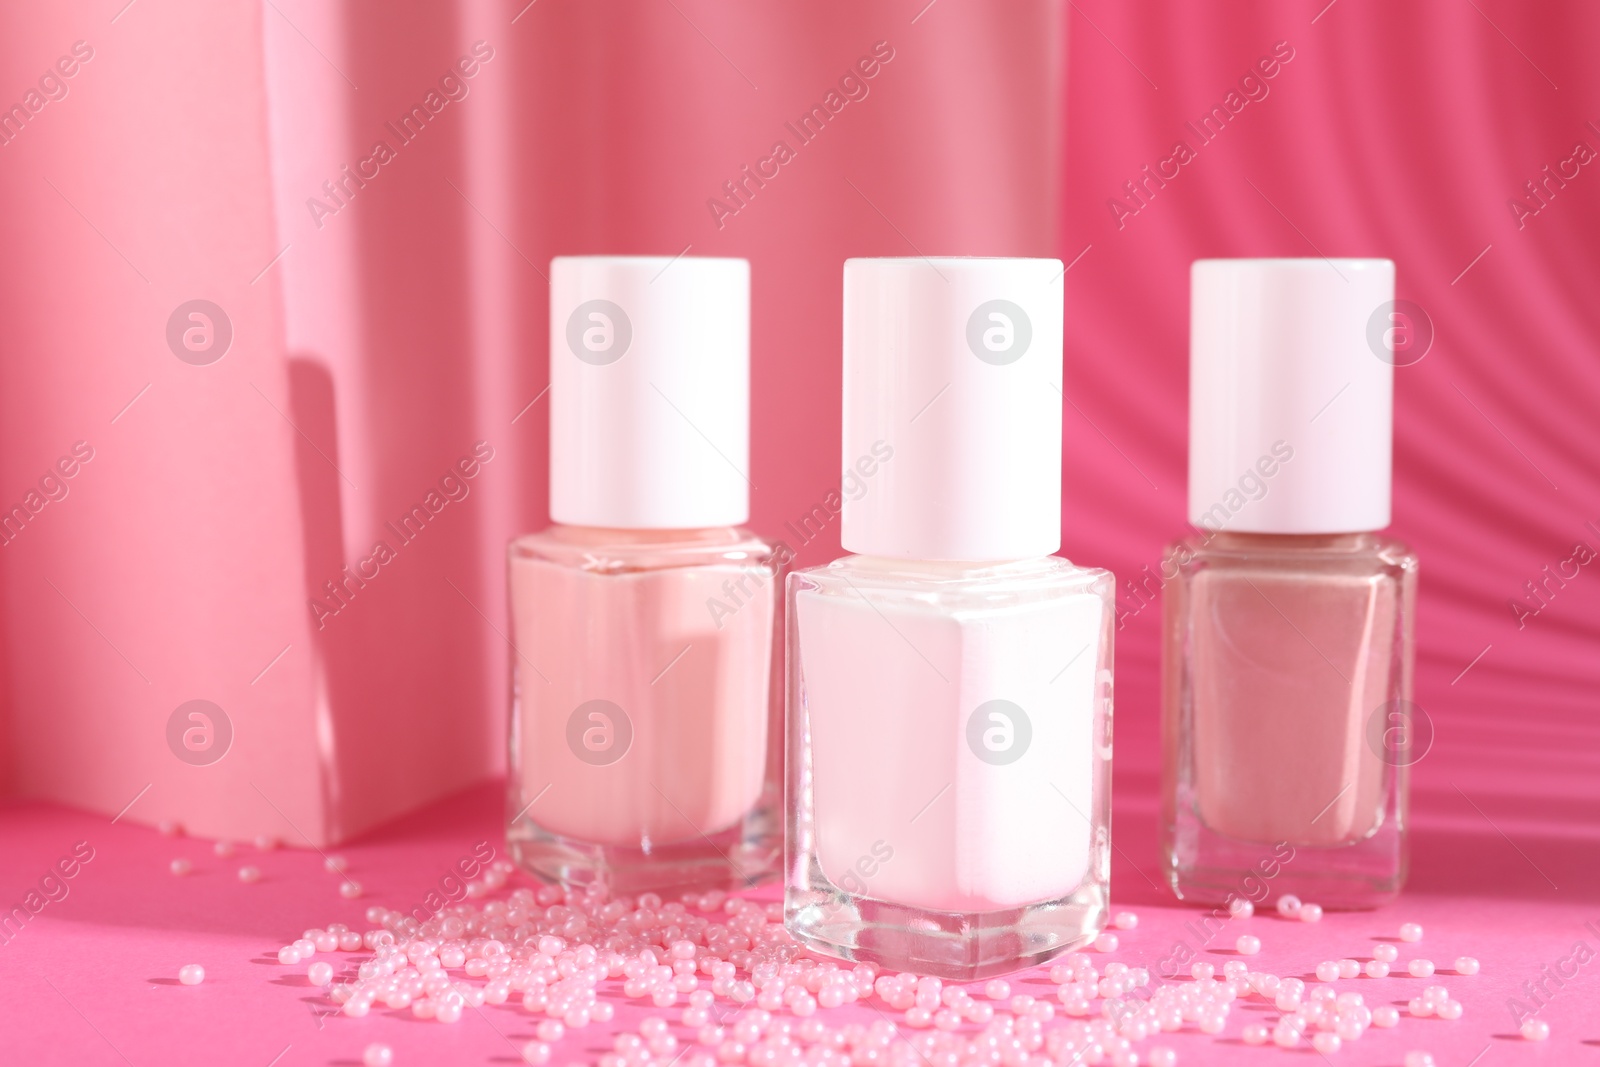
(1229, 540)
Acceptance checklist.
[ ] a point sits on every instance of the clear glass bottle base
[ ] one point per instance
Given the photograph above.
(1205, 867)
(734, 859)
(955, 946)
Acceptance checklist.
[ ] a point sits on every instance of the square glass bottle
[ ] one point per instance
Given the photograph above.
(1288, 724)
(646, 730)
(948, 791)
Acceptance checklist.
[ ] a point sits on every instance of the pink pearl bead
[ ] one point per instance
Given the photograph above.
(1161, 1056)
(223, 848)
(191, 974)
(1411, 932)
(1466, 965)
(1106, 942)
(997, 989)
(320, 974)
(1349, 968)
(536, 1052)
(1288, 905)
(1420, 968)
(1420, 1008)
(1310, 913)
(1377, 969)
(1328, 971)
(1202, 971)
(181, 866)
(1450, 1010)
(1248, 945)
(349, 889)
(266, 842)
(377, 1055)
(1535, 1030)
(1125, 920)
(249, 874)
(1385, 1016)
(288, 955)
(1419, 1059)
(1385, 952)
(1241, 908)
(1256, 1034)
(1326, 1042)
(336, 864)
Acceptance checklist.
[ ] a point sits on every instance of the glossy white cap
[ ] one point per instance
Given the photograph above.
(952, 394)
(1291, 395)
(649, 391)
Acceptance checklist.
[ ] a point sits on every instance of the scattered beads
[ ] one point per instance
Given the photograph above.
(1535, 1030)
(377, 1055)
(1410, 932)
(745, 994)
(1385, 952)
(194, 974)
(181, 866)
(249, 874)
(1466, 965)
(1420, 968)
(1241, 908)
(1289, 905)
(1311, 913)
(1376, 969)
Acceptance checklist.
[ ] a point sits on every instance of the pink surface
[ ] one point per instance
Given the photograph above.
(112, 947)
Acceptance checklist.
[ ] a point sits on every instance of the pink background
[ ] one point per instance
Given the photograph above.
(372, 352)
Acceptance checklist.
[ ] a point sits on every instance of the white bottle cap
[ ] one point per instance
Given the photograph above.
(952, 370)
(649, 391)
(1291, 394)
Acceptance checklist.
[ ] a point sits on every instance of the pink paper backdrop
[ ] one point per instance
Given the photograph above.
(382, 330)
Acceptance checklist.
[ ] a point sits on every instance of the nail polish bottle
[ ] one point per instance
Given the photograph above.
(645, 739)
(949, 708)
(1287, 723)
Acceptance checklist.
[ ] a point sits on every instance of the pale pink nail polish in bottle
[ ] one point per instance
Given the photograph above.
(949, 708)
(1287, 720)
(645, 723)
